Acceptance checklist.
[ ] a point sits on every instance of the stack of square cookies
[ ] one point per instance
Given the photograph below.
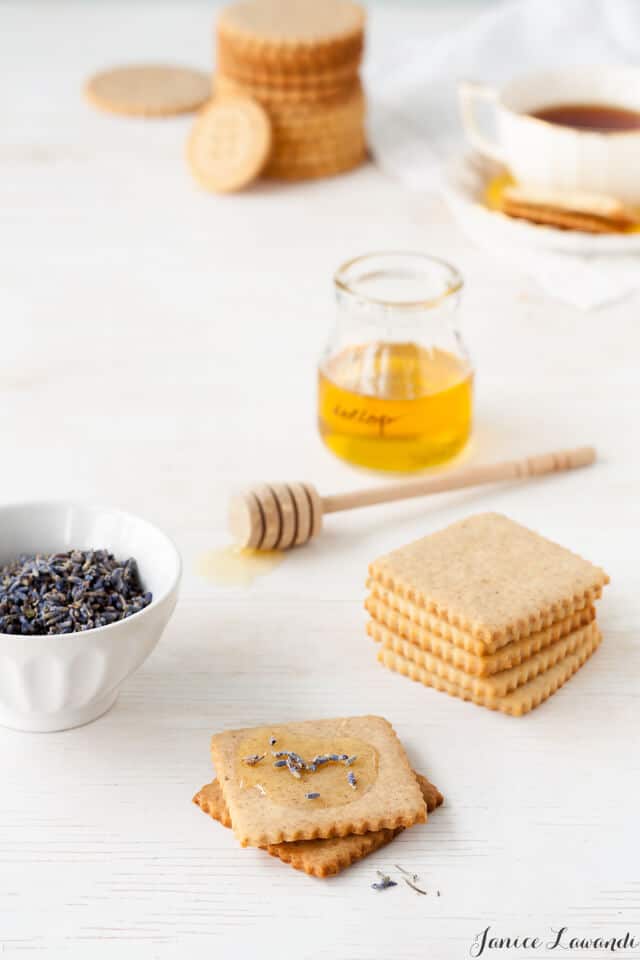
(318, 795)
(300, 60)
(487, 611)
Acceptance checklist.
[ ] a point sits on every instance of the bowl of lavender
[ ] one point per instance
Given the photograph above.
(85, 594)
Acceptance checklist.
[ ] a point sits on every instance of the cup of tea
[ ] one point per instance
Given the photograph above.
(575, 129)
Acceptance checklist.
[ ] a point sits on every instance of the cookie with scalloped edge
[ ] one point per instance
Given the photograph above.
(498, 684)
(423, 619)
(489, 577)
(285, 81)
(273, 803)
(285, 98)
(516, 703)
(385, 618)
(292, 33)
(318, 858)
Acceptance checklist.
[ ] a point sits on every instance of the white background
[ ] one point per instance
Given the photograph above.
(159, 349)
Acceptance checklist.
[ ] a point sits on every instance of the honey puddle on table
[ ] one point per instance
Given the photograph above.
(237, 566)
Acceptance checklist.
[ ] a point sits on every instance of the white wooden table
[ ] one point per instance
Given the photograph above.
(158, 350)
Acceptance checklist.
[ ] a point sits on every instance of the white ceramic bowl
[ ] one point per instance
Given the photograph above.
(56, 682)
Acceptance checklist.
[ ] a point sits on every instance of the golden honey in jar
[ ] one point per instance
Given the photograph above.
(395, 386)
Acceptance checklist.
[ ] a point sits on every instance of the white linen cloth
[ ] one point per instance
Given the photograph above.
(414, 126)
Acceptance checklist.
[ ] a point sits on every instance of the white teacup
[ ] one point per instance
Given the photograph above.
(543, 154)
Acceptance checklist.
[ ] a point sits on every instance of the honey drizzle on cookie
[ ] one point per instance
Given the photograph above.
(335, 782)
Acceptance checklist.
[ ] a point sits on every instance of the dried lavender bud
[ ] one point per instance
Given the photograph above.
(292, 768)
(351, 778)
(48, 594)
(384, 882)
(311, 796)
(253, 759)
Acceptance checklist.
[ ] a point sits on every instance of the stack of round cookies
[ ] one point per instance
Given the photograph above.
(300, 60)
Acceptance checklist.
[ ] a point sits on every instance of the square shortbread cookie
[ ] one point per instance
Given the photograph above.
(498, 684)
(421, 618)
(386, 621)
(316, 779)
(318, 858)
(490, 577)
(519, 701)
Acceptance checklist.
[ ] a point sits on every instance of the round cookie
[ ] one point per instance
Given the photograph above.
(317, 150)
(292, 32)
(340, 121)
(155, 90)
(327, 165)
(314, 79)
(288, 60)
(281, 97)
(229, 144)
(339, 113)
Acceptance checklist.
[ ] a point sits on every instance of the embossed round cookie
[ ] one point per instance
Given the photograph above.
(229, 144)
(155, 90)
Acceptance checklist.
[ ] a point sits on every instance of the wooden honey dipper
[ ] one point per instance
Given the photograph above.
(277, 516)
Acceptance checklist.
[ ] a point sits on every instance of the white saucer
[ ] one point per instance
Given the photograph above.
(464, 184)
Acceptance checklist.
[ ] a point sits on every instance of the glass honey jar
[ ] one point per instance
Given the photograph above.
(395, 383)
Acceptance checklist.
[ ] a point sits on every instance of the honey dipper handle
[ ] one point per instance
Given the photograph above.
(465, 477)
